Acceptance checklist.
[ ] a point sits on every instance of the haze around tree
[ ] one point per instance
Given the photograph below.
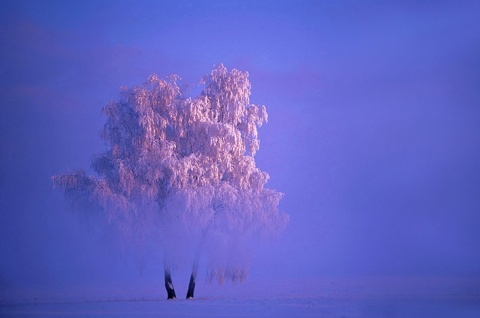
(182, 171)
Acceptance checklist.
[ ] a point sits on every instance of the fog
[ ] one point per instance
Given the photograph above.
(373, 133)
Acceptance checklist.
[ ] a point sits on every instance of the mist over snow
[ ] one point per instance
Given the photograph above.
(372, 135)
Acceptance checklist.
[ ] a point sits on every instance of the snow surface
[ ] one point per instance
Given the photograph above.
(366, 297)
(286, 307)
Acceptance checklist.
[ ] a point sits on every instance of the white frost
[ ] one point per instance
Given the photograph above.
(184, 167)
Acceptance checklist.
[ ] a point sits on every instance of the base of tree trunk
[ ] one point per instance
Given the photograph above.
(169, 285)
(191, 285)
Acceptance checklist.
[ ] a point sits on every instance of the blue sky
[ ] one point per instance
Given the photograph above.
(373, 128)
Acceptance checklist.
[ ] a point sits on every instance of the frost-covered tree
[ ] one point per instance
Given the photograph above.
(183, 169)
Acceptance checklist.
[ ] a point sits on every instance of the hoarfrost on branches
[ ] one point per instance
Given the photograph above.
(184, 168)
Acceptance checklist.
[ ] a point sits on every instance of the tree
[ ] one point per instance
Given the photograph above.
(184, 168)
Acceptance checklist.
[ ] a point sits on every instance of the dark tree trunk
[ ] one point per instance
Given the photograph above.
(169, 284)
(191, 285)
(193, 277)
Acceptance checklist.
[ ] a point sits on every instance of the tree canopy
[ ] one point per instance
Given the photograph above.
(184, 167)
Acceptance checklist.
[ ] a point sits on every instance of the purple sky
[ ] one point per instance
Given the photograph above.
(373, 133)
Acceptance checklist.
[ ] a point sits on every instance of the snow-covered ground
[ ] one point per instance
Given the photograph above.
(287, 307)
(366, 297)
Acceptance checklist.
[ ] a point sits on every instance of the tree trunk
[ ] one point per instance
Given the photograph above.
(191, 285)
(193, 277)
(169, 284)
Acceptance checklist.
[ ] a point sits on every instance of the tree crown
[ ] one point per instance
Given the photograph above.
(184, 162)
